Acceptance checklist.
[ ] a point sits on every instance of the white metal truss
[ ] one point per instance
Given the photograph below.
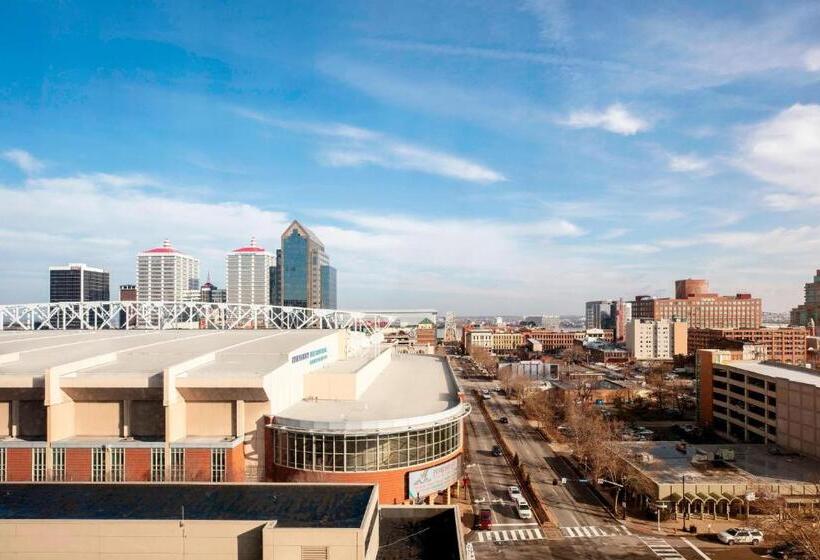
(182, 315)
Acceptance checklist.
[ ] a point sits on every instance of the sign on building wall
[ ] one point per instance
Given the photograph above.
(432, 480)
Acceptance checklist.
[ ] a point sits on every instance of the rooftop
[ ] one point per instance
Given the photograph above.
(411, 386)
(425, 533)
(144, 353)
(753, 463)
(795, 374)
(290, 505)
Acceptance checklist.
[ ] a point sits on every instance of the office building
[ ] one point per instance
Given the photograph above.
(165, 274)
(550, 322)
(759, 401)
(808, 312)
(77, 282)
(621, 313)
(647, 339)
(700, 308)
(209, 293)
(304, 275)
(598, 314)
(426, 333)
(247, 274)
(787, 344)
(228, 406)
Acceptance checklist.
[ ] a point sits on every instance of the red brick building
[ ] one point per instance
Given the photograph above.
(787, 345)
(700, 308)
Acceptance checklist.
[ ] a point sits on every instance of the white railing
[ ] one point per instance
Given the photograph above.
(182, 315)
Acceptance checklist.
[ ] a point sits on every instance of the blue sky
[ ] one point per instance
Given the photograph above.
(476, 156)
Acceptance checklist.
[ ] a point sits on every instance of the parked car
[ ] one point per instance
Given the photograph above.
(514, 492)
(741, 535)
(787, 551)
(523, 509)
(485, 519)
(504, 420)
(497, 452)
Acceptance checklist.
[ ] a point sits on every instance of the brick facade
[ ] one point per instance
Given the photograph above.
(235, 464)
(78, 464)
(198, 465)
(393, 485)
(18, 464)
(137, 465)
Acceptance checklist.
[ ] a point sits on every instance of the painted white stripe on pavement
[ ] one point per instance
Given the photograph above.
(696, 549)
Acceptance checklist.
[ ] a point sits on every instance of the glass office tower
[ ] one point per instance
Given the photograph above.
(300, 281)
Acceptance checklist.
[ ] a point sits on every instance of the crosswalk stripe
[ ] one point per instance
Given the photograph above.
(510, 535)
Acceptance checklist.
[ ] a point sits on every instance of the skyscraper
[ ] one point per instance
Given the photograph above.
(305, 276)
(809, 310)
(598, 314)
(79, 283)
(165, 274)
(247, 274)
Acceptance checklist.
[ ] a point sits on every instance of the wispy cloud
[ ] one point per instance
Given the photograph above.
(785, 150)
(812, 59)
(553, 19)
(357, 147)
(688, 163)
(616, 118)
(24, 160)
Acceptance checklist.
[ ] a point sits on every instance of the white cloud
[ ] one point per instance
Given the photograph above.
(553, 18)
(688, 163)
(787, 201)
(615, 118)
(812, 59)
(24, 160)
(785, 150)
(355, 147)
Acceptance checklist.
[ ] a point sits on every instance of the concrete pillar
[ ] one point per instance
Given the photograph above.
(448, 495)
(239, 419)
(126, 418)
(15, 418)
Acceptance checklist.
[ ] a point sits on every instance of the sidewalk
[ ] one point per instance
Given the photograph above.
(674, 527)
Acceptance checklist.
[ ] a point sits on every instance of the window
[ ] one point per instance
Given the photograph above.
(217, 465)
(177, 465)
(2, 464)
(58, 463)
(117, 464)
(98, 464)
(157, 464)
(38, 464)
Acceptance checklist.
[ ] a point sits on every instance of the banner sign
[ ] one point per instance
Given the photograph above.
(432, 480)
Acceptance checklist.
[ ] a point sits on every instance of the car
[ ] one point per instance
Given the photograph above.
(504, 420)
(522, 508)
(688, 428)
(514, 492)
(485, 519)
(787, 551)
(497, 452)
(741, 535)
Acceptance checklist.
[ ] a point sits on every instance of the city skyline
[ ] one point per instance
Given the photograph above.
(480, 159)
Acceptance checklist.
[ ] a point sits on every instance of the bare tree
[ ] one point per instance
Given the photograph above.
(575, 354)
(799, 527)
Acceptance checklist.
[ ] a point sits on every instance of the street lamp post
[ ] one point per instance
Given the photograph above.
(683, 482)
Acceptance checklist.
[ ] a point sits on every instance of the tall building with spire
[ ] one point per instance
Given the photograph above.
(166, 274)
(304, 277)
(247, 274)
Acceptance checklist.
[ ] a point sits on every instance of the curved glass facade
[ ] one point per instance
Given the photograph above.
(336, 452)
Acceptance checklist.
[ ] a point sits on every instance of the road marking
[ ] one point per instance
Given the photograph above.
(516, 525)
(510, 535)
(696, 549)
(661, 548)
(594, 532)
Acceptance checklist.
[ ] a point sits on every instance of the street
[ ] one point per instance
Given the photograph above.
(586, 527)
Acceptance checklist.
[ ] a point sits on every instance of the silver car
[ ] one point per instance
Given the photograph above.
(741, 535)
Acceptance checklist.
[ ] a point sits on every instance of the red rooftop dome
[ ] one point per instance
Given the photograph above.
(166, 248)
(252, 248)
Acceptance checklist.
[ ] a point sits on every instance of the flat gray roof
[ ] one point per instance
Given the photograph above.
(411, 386)
(753, 464)
(792, 373)
(148, 352)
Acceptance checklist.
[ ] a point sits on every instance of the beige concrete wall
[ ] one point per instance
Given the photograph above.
(60, 419)
(5, 418)
(137, 540)
(98, 418)
(147, 418)
(210, 419)
(175, 423)
(287, 544)
(798, 417)
(254, 440)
